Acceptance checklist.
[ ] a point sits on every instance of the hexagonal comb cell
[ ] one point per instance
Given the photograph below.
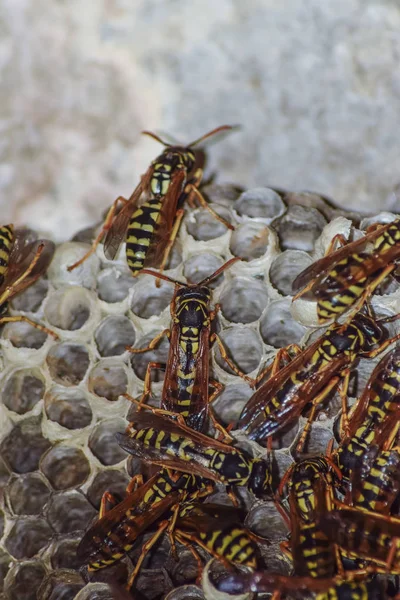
(299, 228)
(111, 480)
(22, 390)
(277, 326)
(24, 445)
(23, 581)
(24, 335)
(200, 266)
(27, 495)
(113, 284)
(31, 299)
(27, 537)
(148, 300)
(243, 300)
(68, 363)
(103, 444)
(68, 406)
(108, 379)
(5, 564)
(113, 335)
(250, 240)
(63, 553)
(285, 268)
(260, 202)
(231, 401)
(60, 585)
(70, 511)
(65, 467)
(69, 308)
(243, 346)
(202, 225)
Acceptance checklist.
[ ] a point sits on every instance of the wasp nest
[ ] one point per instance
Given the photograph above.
(61, 400)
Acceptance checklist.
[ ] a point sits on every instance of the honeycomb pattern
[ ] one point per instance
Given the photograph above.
(61, 400)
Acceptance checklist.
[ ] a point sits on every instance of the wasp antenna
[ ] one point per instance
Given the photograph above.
(155, 137)
(216, 273)
(162, 276)
(213, 132)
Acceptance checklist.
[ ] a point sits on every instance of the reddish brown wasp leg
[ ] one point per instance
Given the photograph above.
(108, 498)
(157, 411)
(215, 338)
(171, 527)
(179, 538)
(172, 237)
(392, 436)
(382, 347)
(33, 323)
(317, 400)
(343, 389)
(218, 387)
(106, 226)
(146, 386)
(8, 291)
(205, 205)
(135, 483)
(280, 359)
(151, 346)
(146, 548)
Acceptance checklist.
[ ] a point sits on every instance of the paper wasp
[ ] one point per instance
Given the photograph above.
(171, 444)
(310, 494)
(311, 376)
(186, 382)
(117, 529)
(368, 535)
(325, 589)
(374, 418)
(149, 220)
(21, 264)
(346, 277)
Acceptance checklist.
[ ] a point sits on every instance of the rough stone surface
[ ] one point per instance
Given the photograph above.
(315, 86)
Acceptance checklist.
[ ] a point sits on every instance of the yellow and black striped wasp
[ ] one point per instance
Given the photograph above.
(186, 383)
(366, 534)
(310, 493)
(117, 529)
(324, 589)
(21, 264)
(164, 442)
(149, 220)
(311, 376)
(346, 278)
(371, 428)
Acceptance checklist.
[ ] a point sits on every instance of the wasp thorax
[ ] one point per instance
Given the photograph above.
(260, 478)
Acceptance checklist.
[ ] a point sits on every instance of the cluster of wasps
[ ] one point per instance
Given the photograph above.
(338, 506)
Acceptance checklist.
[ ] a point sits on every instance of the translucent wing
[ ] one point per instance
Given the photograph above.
(114, 523)
(116, 234)
(21, 260)
(162, 234)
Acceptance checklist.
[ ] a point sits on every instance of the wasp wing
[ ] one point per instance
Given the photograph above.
(21, 258)
(320, 268)
(198, 407)
(124, 523)
(116, 234)
(165, 225)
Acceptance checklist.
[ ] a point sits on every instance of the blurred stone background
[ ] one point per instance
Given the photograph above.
(315, 86)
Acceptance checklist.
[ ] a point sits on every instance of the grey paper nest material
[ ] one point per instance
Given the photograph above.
(61, 400)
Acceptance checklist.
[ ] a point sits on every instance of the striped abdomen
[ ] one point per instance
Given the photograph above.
(339, 292)
(121, 535)
(141, 230)
(6, 242)
(313, 553)
(380, 487)
(232, 543)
